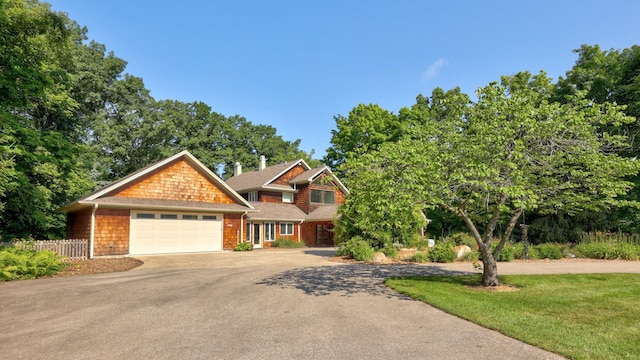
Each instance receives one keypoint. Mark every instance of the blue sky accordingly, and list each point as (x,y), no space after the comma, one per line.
(295,64)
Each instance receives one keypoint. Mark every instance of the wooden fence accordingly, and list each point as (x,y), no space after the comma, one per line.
(69,249)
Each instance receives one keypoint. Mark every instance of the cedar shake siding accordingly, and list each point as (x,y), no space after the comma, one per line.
(292,173)
(232,231)
(111,234)
(302,199)
(272,197)
(79,224)
(176,181)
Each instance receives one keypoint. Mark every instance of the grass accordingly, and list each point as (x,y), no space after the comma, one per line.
(580,316)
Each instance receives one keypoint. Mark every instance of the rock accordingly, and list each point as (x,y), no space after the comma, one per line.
(461,250)
(379,257)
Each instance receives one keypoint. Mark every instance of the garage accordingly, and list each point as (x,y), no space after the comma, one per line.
(171,232)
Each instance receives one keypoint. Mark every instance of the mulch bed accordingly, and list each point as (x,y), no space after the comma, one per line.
(96,266)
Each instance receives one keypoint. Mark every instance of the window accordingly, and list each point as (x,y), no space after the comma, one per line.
(286,228)
(252,196)
(145,216)
(269,231)
(287,197)
(209,217)
(169,216)
(248,232)
(316,196)
(329,197)
(323,197)
(189,217)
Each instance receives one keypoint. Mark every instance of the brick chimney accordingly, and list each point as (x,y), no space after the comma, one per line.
(237,169)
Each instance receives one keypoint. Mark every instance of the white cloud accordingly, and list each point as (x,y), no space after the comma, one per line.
(434,69)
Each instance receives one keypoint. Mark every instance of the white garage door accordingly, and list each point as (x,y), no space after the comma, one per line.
(165,233)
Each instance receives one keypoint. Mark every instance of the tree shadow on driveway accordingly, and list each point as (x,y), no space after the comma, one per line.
(351,279)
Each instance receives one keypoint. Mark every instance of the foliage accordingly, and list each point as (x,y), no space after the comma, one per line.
(543,308)
(357,249)
(473,255)
(243,246)
(462,238)
(390,251)
(549,251)
(442,253)
(606,76)
(610,237)
(421,257)
(288,243)
(488,161)
(608,251)
(518,252)
(362,131)
(507,254)
(18,263)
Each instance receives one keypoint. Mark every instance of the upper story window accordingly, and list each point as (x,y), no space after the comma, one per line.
(287,197)
(252,196)
(323,196)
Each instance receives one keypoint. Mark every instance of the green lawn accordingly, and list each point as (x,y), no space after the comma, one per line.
(580,316)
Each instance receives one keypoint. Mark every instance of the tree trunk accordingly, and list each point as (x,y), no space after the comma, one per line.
(489,271)
(489,266)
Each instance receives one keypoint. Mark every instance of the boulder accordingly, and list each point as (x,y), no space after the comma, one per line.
(461,250)
(379,257)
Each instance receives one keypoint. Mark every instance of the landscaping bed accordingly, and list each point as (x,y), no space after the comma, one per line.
(96,266)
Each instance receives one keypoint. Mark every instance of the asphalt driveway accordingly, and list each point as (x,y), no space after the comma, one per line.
(270,304)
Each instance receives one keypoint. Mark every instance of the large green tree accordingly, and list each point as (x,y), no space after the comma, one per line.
(512,150)
(363,130)
(42,166)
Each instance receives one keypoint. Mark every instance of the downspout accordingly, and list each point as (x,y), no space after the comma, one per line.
(241,239)
(93,230)
(300,229)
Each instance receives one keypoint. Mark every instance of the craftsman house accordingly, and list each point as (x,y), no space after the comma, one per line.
(293,201)
(178,205)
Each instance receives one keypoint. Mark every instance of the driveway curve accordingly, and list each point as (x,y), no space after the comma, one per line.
(269,304)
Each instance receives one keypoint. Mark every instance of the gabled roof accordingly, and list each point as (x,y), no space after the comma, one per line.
(262,179)
(101,195)
(310,175)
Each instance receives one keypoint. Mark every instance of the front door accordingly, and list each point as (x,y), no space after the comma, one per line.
(257,236)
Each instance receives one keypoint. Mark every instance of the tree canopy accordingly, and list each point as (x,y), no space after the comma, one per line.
(513,149)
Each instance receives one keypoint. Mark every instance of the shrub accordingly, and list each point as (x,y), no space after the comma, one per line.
(357,249)
(17,263)
(288,243)
(608,251)
(549,251)
(390,251)
(507,254)
(518,251)
(463,238)
(474,255)
(442,253)
(243,246)
(420,257)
